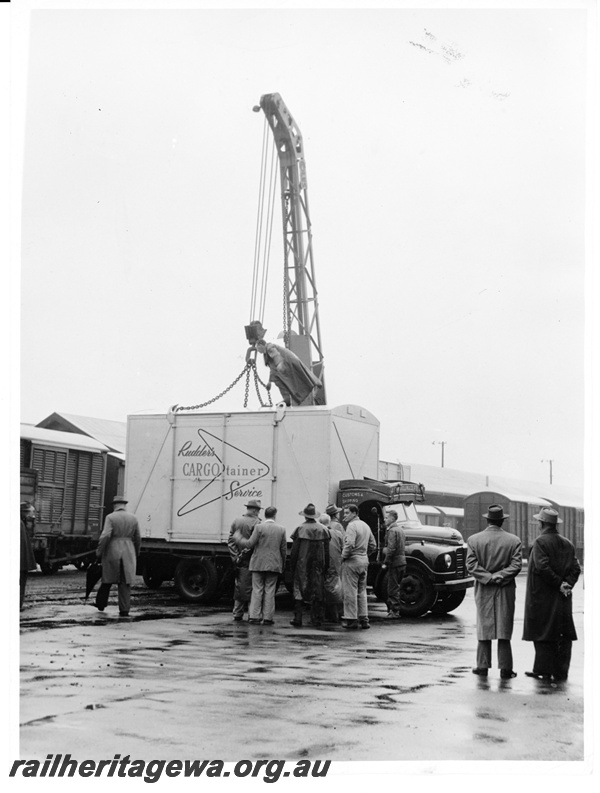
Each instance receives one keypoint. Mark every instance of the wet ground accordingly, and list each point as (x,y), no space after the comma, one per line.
(183,681)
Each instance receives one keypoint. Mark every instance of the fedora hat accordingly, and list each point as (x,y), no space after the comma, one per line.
(309,511)
(120,500)
(548,515)
(331,509)
(254,503)
(495,512)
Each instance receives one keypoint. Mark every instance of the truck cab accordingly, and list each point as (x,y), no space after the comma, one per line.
(436,577)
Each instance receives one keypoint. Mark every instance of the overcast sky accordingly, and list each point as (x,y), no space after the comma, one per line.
(446,167)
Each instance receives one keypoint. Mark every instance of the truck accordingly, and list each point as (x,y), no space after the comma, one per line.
(189,475)
(190,472)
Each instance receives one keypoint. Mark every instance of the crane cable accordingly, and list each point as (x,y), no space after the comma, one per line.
(264,226)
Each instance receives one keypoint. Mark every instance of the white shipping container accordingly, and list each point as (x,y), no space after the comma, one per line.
(189,475)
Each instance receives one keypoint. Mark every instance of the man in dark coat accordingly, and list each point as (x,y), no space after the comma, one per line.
(552,572)
(309,561)
(494,559)
(27,557)
(241,529)
(119,548)
(394,561)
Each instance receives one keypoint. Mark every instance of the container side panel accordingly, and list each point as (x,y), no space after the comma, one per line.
(302,466)
(148,473)
(220,462)
(354,449)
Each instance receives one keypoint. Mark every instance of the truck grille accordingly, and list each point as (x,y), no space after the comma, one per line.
(460,563)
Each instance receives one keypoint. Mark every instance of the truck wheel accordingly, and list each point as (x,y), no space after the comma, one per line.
(196,580)
(417,594)
(448,602)
(152,579)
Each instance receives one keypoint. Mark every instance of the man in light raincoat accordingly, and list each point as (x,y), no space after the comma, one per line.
(119,548)
(494,559)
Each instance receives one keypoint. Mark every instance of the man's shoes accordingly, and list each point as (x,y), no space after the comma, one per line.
(123,613)
(481,672)
(100,608)
(351,625)
(254,622)
(507,674)
(392,615)
(238,619)
(364,624)
(538,677)
(268,622)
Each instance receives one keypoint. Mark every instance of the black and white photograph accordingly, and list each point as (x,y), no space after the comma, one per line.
(299,333)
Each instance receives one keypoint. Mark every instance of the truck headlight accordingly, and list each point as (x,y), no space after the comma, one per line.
(448,560)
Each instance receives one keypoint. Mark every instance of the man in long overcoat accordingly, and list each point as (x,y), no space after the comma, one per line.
(494,559)
(552,572)
(309,560)
(118,549)
(268,543)
(241,529)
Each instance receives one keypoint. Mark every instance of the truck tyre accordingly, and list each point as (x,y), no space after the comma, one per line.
(417,595)
(152,579)
(196,580)
(447,602)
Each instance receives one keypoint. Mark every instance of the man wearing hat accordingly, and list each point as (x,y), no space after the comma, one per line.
(309,560)
(494,559)
(118,549)
(333,576)
(552,572)
(241,529)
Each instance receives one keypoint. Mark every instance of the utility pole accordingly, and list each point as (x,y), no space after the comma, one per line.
(549,461)
(442,444)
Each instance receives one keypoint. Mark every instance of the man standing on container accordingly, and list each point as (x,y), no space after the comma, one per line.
(241,529)
(394,562)
(358,544)
(118,549)
(552,572)
(309,560)
(494,559)
(268,544)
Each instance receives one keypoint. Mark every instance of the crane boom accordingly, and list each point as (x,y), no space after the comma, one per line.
(303,333)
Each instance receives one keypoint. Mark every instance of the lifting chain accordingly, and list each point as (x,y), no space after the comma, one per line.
(250,366)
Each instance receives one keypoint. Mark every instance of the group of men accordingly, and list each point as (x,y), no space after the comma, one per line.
(328,565)
(329,573)
(494,559)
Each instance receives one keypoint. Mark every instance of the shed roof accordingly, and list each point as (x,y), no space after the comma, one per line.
(111,433)
(70,440)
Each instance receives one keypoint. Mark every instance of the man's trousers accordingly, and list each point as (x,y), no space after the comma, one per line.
(484,654)
(262,601)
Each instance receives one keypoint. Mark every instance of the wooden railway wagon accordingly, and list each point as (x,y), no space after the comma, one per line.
(519,506)
(63,475)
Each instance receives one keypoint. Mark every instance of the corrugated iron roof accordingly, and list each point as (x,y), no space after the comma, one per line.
(71,440)
(111,433)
